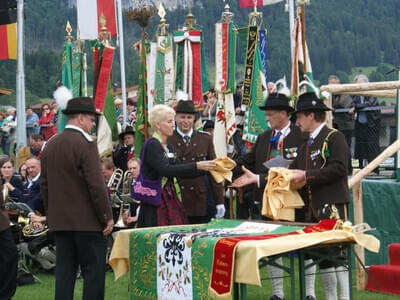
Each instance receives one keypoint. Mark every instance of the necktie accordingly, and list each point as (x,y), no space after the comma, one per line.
(275,139)
(186,139)
(310,141)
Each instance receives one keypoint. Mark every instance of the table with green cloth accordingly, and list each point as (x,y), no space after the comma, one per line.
(136,251)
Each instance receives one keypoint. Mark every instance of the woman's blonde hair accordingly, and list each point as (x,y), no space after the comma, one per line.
(158,114)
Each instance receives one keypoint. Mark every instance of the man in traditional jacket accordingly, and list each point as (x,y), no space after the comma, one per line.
(201,196)
(284,140)
(322,163)
(75,197)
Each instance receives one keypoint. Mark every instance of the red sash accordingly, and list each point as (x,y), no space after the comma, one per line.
(224,254)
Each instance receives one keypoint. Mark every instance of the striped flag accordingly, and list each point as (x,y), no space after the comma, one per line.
(225,69)
(250,3)
(151,56)
(191,76)
(103,77)
(8,41)
(299,54)
(91,14)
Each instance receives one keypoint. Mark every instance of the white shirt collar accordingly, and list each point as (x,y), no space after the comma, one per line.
(284,131)
(87,136)
(31,181)
(317,130)
(44,144)
(183,134)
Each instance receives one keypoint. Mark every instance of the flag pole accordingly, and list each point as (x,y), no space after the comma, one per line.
(291,27)
(302,4)
(21,118)
(122,62)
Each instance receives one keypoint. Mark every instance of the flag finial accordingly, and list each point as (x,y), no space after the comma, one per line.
(68,29)
(163,26)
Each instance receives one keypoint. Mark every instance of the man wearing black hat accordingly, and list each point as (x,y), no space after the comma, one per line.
(201,196)
(123,154)
(75,198)
(322,163)
(283,139)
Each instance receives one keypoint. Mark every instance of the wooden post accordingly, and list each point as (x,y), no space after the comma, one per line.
(359,218)
(360,87)
(329,115)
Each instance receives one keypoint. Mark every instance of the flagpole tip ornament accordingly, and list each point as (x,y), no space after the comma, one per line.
(104,35)
(68,30)
(142,14)
(227,15)
(302,2)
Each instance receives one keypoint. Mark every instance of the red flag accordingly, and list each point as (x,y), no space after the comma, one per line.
(106,8)
(250,3)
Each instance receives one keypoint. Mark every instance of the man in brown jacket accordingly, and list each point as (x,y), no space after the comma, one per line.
(201,196)
(75,197)
(8,254)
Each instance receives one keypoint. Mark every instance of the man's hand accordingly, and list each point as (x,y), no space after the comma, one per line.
(109,227)
(247,178)
(298,176)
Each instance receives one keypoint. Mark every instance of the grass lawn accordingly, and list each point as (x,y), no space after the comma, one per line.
(118,290)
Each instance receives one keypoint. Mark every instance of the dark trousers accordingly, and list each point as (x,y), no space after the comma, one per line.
(8,265)
(86,249)
(307,215)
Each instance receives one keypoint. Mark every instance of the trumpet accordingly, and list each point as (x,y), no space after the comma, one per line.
(127,183)
(115,180)
(5,193)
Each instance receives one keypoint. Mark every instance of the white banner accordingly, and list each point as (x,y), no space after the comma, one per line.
(87,19)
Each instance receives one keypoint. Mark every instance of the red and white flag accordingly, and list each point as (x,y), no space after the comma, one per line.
(250,3)
(90,14)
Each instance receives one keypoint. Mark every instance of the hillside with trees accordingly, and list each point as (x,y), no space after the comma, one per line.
(343,36)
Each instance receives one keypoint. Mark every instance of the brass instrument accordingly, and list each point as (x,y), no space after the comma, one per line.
(28,230)
(127,183)
(5,193)
(118,177)
(115,180)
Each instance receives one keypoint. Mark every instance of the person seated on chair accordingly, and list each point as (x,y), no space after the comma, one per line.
(40,248)
(31,193)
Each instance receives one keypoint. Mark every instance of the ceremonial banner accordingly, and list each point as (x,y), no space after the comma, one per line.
(254,118)
(225,123)
(225,57)
(89,15)
(104,73)
(190,65)
(250,61)
(165,75)
(8,41)
(250,3)
(174,267)
(263,52)
(107,131)
(151,54)
(299,54)
(141,107)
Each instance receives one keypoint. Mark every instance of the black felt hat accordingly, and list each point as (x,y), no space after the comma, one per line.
(128,130)
(80,105)
(310,102)
(276,101)
(185,107)
(208,124)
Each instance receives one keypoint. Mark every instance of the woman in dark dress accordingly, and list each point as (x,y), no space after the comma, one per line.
(10,179)
(157,162)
